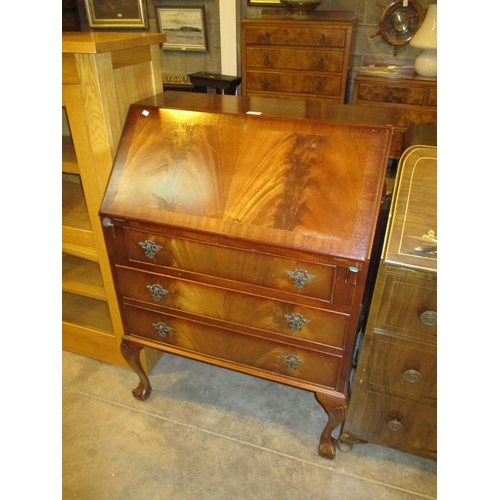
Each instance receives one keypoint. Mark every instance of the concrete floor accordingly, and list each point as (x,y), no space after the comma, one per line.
(209,433)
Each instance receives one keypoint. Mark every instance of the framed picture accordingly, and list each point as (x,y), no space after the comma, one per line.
(185,28)
(116,13)
(256,3)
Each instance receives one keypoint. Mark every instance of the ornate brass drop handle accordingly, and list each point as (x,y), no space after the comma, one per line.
(429,318)
(266,60)
(162,329)
(157,291)
(296,321)
(412,376)
(265,83)
(320,64)
(322,39)
(150,248)
(319,86)
(300,276)
(266,38)
(292,361)
(395,425)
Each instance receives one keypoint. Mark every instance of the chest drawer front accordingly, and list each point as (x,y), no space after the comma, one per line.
(396,422)
(292,58)
(299,36)
(287,319)
(432,98)
(392,94)
(317,281)
(290,361)
(408,306)
(314,84)
(405,368)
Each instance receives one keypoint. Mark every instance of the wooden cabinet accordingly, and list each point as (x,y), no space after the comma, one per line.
(414,99)
(296,59)
(102,73)
(394,397)
(240,231)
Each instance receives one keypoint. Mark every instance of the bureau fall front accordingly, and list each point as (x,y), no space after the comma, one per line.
(239,232)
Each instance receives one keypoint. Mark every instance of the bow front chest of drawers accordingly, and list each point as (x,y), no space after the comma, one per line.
(239,233)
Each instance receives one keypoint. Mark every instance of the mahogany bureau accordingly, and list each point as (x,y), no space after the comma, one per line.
(394,397)
(239,232)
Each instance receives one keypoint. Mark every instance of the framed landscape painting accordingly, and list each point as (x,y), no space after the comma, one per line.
(185,28)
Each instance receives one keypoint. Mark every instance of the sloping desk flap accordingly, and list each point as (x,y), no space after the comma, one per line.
(295,175)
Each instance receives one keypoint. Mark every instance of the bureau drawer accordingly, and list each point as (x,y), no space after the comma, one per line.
(287,319)
(317,281)
(393,94)
(408,305)
(303,83)
(396,423)
(290,361)
(300,36)
(404,367)
(297,59)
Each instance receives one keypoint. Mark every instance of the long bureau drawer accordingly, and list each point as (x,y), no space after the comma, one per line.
(291,320)
(327,283)
(303,364)
(303,83)
(300,36)
(294,58)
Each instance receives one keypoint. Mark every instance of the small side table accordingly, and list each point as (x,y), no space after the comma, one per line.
(223,84)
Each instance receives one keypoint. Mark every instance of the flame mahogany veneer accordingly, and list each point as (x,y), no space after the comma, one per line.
(239,231)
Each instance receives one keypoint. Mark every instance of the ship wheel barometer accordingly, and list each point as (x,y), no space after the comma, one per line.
(399,22)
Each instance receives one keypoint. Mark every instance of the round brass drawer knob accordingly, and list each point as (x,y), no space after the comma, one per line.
(412,376)
(395,425)
(429,318)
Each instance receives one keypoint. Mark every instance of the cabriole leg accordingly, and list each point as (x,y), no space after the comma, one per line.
(131,351)
(336,409)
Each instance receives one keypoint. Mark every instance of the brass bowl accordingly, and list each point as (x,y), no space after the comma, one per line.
(300,9)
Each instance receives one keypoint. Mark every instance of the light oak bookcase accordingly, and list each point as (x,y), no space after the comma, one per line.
(102,74)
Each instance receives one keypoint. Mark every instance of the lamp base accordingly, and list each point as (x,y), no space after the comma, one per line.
(426,63)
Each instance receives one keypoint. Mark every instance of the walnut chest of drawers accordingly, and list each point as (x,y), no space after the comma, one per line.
(413,98)
(291,59)
(394,397)
(240,233)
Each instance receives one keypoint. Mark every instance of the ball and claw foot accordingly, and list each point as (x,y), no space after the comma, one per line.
(141,393)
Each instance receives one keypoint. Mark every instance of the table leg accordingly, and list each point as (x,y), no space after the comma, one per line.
(336,409)
(131,351)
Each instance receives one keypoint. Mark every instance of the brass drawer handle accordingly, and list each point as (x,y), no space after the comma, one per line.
(157,291)
(162,329)
(395,425)
(265,38)
(265,83)
(300,276)
(319,86)
(322,39)
(412,376)
(292,361)
(429,318)
(320,64)
(150,248)
(296,321)
(266,60)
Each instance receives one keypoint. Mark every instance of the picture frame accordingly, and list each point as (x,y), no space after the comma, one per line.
(258,3)
(117,13)
(184,27)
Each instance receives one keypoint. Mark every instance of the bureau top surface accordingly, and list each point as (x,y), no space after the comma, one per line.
(301,176)
(97,42)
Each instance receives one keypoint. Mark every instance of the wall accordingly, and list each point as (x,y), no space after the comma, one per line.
(227,61)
